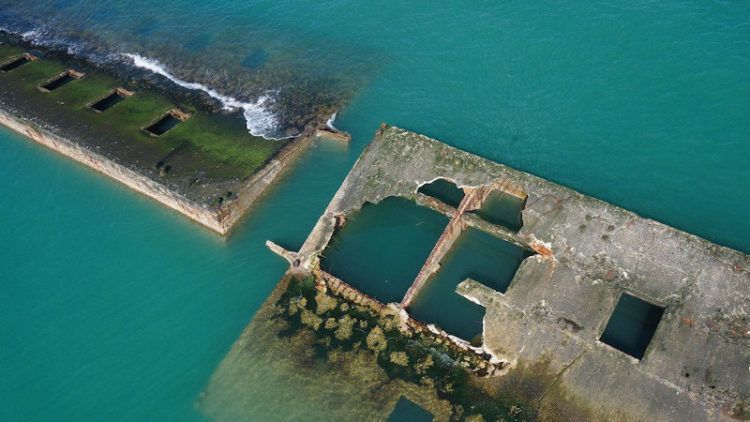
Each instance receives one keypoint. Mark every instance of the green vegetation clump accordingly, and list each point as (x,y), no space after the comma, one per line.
(418,358)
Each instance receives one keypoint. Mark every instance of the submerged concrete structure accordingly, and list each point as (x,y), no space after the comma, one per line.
(163,143)
(627,317)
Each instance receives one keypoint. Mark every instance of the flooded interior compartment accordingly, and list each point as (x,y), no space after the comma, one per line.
(113,98)
(16,63)
(382,247)
(444,191)
(632,325)
(503,209)
(168,121)
(61,80)
(475,255)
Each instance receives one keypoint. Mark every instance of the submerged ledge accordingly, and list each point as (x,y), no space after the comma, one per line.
(220,219)
(201,163)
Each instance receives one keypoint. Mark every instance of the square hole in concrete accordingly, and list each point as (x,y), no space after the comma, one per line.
(166,122)
(60,80)
(476,255)
(444,191)
(503,209)
(112,99)
(382,247)
(16,63)
(632,325)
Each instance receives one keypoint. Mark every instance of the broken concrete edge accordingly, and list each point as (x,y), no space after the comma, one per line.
(563,297)
(220,220)
(327,282)
(331,284)
(326,132)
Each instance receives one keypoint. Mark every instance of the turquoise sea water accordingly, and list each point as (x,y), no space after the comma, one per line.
(114,308)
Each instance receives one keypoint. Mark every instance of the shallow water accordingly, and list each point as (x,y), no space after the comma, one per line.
(116,308)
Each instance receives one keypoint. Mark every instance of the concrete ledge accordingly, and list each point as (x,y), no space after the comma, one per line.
(220,220)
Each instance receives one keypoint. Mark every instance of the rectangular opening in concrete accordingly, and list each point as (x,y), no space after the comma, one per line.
(444,191)
(112,99)
(503,209)
(408,411)
(382,247)
(168,121)
(476,255)
(16,63)
(60,80)
(632,325)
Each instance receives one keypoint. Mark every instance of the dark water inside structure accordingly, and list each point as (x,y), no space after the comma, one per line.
(502,209)
(632,325)
(59,82)
(14,64)
(475,255)
(167,122)
(444,191)
(108,102)
(381,248)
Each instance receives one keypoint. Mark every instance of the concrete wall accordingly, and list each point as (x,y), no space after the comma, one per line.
(219,219)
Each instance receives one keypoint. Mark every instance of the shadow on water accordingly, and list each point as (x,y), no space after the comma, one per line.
(382,247)
(444,191)
(502,209)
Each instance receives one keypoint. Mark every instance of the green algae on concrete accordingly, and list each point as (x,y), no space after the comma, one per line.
(209,158)
(351,362)
(222,140)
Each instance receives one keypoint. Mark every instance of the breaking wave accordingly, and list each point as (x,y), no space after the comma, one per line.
(260,121)
(44,38)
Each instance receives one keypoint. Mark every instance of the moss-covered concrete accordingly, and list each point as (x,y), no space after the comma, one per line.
(210,158)
(208,155)
(353,362)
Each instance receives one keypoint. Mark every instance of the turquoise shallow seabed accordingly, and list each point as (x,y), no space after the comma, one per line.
(115,308)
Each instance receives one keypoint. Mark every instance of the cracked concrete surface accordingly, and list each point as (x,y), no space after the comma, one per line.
(588,252)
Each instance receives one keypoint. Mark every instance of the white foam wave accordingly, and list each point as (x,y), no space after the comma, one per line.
(260,121)
(329,122)
(41,36)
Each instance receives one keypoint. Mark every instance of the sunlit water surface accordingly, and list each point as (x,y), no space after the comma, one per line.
(115,308)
